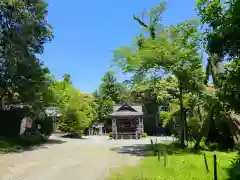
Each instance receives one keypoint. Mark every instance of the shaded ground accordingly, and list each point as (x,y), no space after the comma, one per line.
(135,150)
(75,159)
(12,146)
(142,147)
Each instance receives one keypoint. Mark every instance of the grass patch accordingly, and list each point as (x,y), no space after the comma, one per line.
(9,145)
(181,164)
(17,144)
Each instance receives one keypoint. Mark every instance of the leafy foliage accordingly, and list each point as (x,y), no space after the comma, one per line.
(144,134)
(77,108)
(110,92)
(24,30)
(223,32)
(167,69)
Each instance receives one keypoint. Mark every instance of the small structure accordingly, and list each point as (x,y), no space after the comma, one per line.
(96,129)
(54,114)
(127,121)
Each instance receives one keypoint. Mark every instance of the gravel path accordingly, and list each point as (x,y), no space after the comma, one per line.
(70,159)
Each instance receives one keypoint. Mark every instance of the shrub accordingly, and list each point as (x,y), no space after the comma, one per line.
(81,132)
(154,147)
(31,139)
(144,134)
(110,134)
(44,125)
(72,121)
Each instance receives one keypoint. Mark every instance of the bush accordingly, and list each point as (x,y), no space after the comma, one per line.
(81,132)
(31,139)
(72,121)
(144,134)
(110,134)
(46,127)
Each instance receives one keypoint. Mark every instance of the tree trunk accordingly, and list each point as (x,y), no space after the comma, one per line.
(1,99)
(182,135)
(200,113)
(214,67)
(204,129)
(185,127)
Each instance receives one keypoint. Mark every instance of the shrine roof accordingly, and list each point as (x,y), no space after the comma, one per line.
(126,110)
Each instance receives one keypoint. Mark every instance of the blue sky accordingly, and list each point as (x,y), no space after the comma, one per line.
(87,32)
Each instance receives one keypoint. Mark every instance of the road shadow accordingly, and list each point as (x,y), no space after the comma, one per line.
(15,146)
(134,150)
(77,136)
(171,148)
(43,145)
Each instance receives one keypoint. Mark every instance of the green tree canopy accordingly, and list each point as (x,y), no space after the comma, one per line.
(24,30)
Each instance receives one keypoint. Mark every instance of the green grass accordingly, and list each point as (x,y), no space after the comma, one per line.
(181,164)
(18,144)
(9,145)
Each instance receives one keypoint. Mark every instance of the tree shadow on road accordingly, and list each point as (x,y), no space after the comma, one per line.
(173,148)
(74,136)
(134,150)
(14,146)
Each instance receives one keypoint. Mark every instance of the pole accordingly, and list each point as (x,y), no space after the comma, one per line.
(205,161)
(158,154)
(165,158)
(215,166)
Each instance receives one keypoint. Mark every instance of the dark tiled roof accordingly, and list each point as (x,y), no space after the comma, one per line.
(126,113)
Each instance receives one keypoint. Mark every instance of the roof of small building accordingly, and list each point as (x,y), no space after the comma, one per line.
(126,110)
(52,111)
(126,113)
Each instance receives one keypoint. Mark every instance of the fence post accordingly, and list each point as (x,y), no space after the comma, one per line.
(205,161)
(215,166)
(165,158)
(158,153)
(155,147)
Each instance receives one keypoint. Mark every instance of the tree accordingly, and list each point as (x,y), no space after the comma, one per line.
(24,30)
(221,39)
(154,16)
(223,23)
(110,89)
(77,108)
(110,92)
(175,51)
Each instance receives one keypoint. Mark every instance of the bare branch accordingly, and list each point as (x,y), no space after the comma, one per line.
(139,21)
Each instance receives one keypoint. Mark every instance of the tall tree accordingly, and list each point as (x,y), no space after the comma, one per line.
(110,92)
(77,108)
(222,33)
(154,16)
(24,30)
(222,43)
(109,89)
(175,51)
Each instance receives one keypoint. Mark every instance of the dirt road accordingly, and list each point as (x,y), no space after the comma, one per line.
(75,159)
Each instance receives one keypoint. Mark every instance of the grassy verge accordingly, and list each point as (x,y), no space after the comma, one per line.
(17,144)
(9,145)
(181,164)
